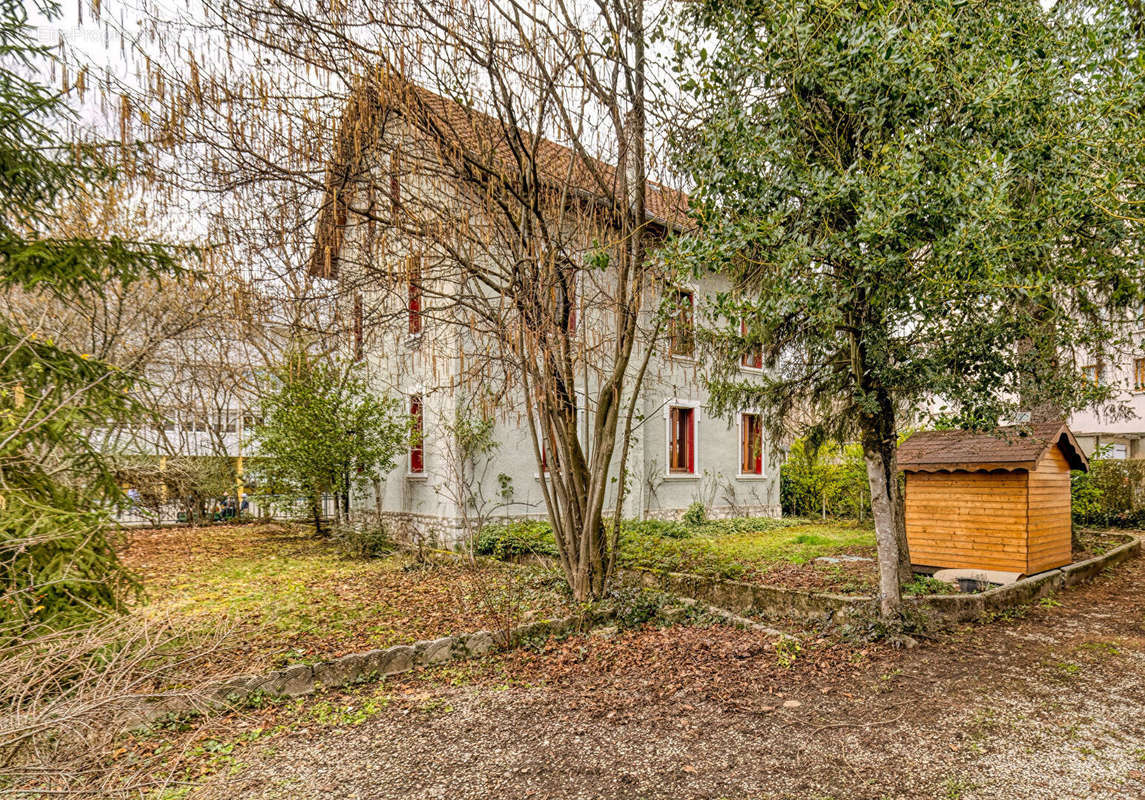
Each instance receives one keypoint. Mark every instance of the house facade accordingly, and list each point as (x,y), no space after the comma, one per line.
(425,334)
(1120,435)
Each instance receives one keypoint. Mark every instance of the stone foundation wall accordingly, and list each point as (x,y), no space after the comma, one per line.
(448,532)
(432,531)
(717,512)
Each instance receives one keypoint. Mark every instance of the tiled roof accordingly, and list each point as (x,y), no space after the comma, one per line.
(472,134)
(1013,447)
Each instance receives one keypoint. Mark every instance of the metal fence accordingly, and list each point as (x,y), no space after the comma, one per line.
(275,507)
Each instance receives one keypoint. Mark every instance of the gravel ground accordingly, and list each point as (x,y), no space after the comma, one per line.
(1049,705)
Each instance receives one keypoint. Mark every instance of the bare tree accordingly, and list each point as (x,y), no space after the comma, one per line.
(491,159)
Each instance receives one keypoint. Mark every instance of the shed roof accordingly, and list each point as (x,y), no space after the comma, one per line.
(1013,447)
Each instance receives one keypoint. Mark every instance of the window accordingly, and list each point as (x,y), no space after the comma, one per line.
(681,440)
(1139,374)
(544,451)
(753,358)
(572,304)
(1092,373)
(357,327)
(395,184)
(414,303)
(681,326)
(1118,452)
(750,444)
(417,444)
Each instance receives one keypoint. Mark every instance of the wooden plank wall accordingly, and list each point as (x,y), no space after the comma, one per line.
(967,519)
(1049,513)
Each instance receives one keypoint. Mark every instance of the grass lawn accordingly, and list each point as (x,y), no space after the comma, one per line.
(762,550)
(291,597)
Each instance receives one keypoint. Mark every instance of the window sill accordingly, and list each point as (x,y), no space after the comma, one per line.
(753,370)
(751,476)
(682,359)
(681,476)
(416,476)
(413,340)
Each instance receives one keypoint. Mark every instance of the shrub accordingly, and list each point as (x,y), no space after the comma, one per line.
(370,541)
(527,537)
(696,514)
(663,529)
(636,607)
(926,584)
(1111,494)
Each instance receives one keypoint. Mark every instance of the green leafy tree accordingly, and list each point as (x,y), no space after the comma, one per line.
(57,563)
(917,203)
(323,431)
(824,480)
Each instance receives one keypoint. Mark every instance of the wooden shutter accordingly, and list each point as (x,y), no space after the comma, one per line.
(753,359)
(414,304)
(417,445)
(690,437)
(751,446)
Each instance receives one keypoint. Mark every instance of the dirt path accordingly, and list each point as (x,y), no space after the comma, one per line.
(1051,705)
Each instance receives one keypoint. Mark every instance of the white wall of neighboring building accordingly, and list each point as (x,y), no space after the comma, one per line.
(1119,434)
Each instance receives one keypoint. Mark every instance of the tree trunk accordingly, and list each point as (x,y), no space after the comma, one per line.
(886,537)
(898,498)
(314,508)
(346,497)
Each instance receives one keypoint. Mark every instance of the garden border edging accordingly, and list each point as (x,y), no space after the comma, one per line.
(296,680)
(773,602)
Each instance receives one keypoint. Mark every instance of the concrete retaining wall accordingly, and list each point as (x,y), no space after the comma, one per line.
(970,607)
(743,598)
(777,603)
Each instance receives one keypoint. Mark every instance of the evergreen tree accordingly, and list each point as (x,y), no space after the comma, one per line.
(57,562)
(918,203)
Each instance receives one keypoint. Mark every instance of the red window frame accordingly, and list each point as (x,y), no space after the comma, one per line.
(683,325)
(682,440)
(752,359)
(751,444)
(414,304)
(417,443)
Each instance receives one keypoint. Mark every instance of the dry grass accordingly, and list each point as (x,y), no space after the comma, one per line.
(291,597)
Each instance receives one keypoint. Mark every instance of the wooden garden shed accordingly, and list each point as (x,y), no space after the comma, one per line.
(990,501)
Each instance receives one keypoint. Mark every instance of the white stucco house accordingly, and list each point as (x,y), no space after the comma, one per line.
(1120,435)
(407,311)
